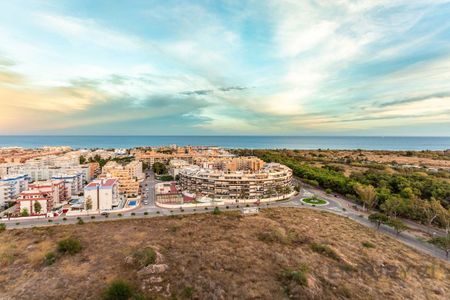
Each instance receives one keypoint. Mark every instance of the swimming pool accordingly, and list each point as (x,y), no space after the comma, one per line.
(132,203)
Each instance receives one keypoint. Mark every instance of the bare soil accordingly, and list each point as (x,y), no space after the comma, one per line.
(225,256)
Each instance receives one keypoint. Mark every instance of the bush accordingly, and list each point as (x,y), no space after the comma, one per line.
(145,213)
(133,214)
(92,217)
(80,221)
(119,215)
(145,257)
(49,258)
(70,245)
(367,245)
(206,208)
(324,250)
(49,220)
(118,290)
(64,219)
(227,207)
(157,212)
(299,276)
(187,293)
(216,211)
(328,191)
(2,227)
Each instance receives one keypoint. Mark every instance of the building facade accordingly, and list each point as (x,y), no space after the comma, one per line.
(272,180)
(102,194)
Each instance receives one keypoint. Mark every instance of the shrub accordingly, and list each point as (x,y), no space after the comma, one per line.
(49,258)
(49,220)
(80,221)
(227,207)
(187,293)
(324,250)
(157,212)
(18,223)
(70,245)
(145,257)
(248,205)
(118,290)
(182,210)
(119,215)
(2,227)
(368,245)
(92,217)
(299,276)
(145,213)
(328,191)
(133,214)
(216,211)
(64,219)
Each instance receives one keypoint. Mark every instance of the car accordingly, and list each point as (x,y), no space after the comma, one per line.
(105,213)
(146,202)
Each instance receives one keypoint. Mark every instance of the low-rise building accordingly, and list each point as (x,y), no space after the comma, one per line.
(175,165)
(101,194)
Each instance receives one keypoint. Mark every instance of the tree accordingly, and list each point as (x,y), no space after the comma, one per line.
(88,203)
(431,210)
(159,168)
(82,159)
(392,205)
(24,213)
(37,207)
(442,242)
(378,219)
(367,194)
(397,224)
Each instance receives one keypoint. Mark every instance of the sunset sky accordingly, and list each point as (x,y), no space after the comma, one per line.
(337,67)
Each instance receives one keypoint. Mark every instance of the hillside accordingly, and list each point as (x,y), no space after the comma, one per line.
(280,253)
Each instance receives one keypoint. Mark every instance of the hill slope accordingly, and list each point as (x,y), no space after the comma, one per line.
(277,254)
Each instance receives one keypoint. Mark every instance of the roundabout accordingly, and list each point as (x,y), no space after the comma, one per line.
(314,201)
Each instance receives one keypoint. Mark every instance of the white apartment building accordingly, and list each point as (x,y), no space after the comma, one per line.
(175,165)
(103,194)
(73,183)
(12,186)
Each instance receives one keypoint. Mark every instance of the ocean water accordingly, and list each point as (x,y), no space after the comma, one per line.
(251,142)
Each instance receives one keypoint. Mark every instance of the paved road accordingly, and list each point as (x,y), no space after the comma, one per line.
(336,205)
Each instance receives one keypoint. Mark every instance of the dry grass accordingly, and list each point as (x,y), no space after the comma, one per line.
(223,257)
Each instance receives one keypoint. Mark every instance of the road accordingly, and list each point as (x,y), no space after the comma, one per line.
(336,205)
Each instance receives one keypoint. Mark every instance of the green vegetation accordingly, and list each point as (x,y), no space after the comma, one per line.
(216,211)
(145,257)
(80,221)
(314,201)
(405,193)
(37,207)
(70,246)
(49,258)
(118,290)
(2,227)
(324,250)
(379,218)
(165,178)
(24,213)
(298,276)
(367,245)
(442,242)
(159,168)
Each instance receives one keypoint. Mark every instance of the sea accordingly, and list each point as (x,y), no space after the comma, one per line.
(232,142)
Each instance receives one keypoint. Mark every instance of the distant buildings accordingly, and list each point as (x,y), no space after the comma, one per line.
(101,194)
(188,153)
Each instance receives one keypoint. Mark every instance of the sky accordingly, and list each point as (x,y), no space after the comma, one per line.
(337,67)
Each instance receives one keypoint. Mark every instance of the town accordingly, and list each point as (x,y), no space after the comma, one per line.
(58,182)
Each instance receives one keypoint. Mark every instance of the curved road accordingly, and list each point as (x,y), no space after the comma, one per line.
(336,205)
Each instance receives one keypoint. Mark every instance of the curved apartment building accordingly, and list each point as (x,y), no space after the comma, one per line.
(271,181)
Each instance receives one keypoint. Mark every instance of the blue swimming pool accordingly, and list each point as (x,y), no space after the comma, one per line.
(132,203)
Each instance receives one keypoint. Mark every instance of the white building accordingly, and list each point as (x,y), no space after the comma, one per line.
(175,165)
(12,186)
(103,194)
(73,183)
